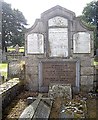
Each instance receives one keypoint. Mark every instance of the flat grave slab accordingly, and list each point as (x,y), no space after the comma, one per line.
(40,108)
(28,113)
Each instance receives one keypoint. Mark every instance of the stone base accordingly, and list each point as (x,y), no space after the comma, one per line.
(60,90)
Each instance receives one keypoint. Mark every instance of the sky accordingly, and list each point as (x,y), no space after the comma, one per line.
(32,9)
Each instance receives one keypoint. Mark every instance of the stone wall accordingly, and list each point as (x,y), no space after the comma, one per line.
(86,73)
(76,29)
(9,91)
(32,72)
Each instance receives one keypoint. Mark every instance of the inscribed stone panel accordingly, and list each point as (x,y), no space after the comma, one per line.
(59,72)
(35,43)
(58,41)
(81,42)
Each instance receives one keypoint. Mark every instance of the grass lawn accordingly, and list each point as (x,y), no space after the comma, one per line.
(4,70)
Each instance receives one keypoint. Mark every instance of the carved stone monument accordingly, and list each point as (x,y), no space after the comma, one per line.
(59,49)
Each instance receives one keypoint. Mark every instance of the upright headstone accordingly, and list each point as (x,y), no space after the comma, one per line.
(17,48)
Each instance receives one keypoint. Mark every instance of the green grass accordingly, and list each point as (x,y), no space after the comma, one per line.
(10,49)
(21,49)
(4,69)
(95,63)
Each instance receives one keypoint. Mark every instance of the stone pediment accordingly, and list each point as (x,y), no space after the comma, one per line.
(58,11)
(40,25)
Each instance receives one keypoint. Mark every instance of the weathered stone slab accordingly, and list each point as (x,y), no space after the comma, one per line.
(60,90)
(40,108)
(58,39)
(35,43)
(28,113)
(43,109)
(78,40)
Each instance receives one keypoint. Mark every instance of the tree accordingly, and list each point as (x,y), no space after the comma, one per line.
(90,16)
(13,26)
(89,13)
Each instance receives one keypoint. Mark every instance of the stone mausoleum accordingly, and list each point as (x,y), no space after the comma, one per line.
(59,48)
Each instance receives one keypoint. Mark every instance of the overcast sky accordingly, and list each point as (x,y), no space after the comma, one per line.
(32,9)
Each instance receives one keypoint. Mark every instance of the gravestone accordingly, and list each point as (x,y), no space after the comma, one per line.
(55,51)
(17,48)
